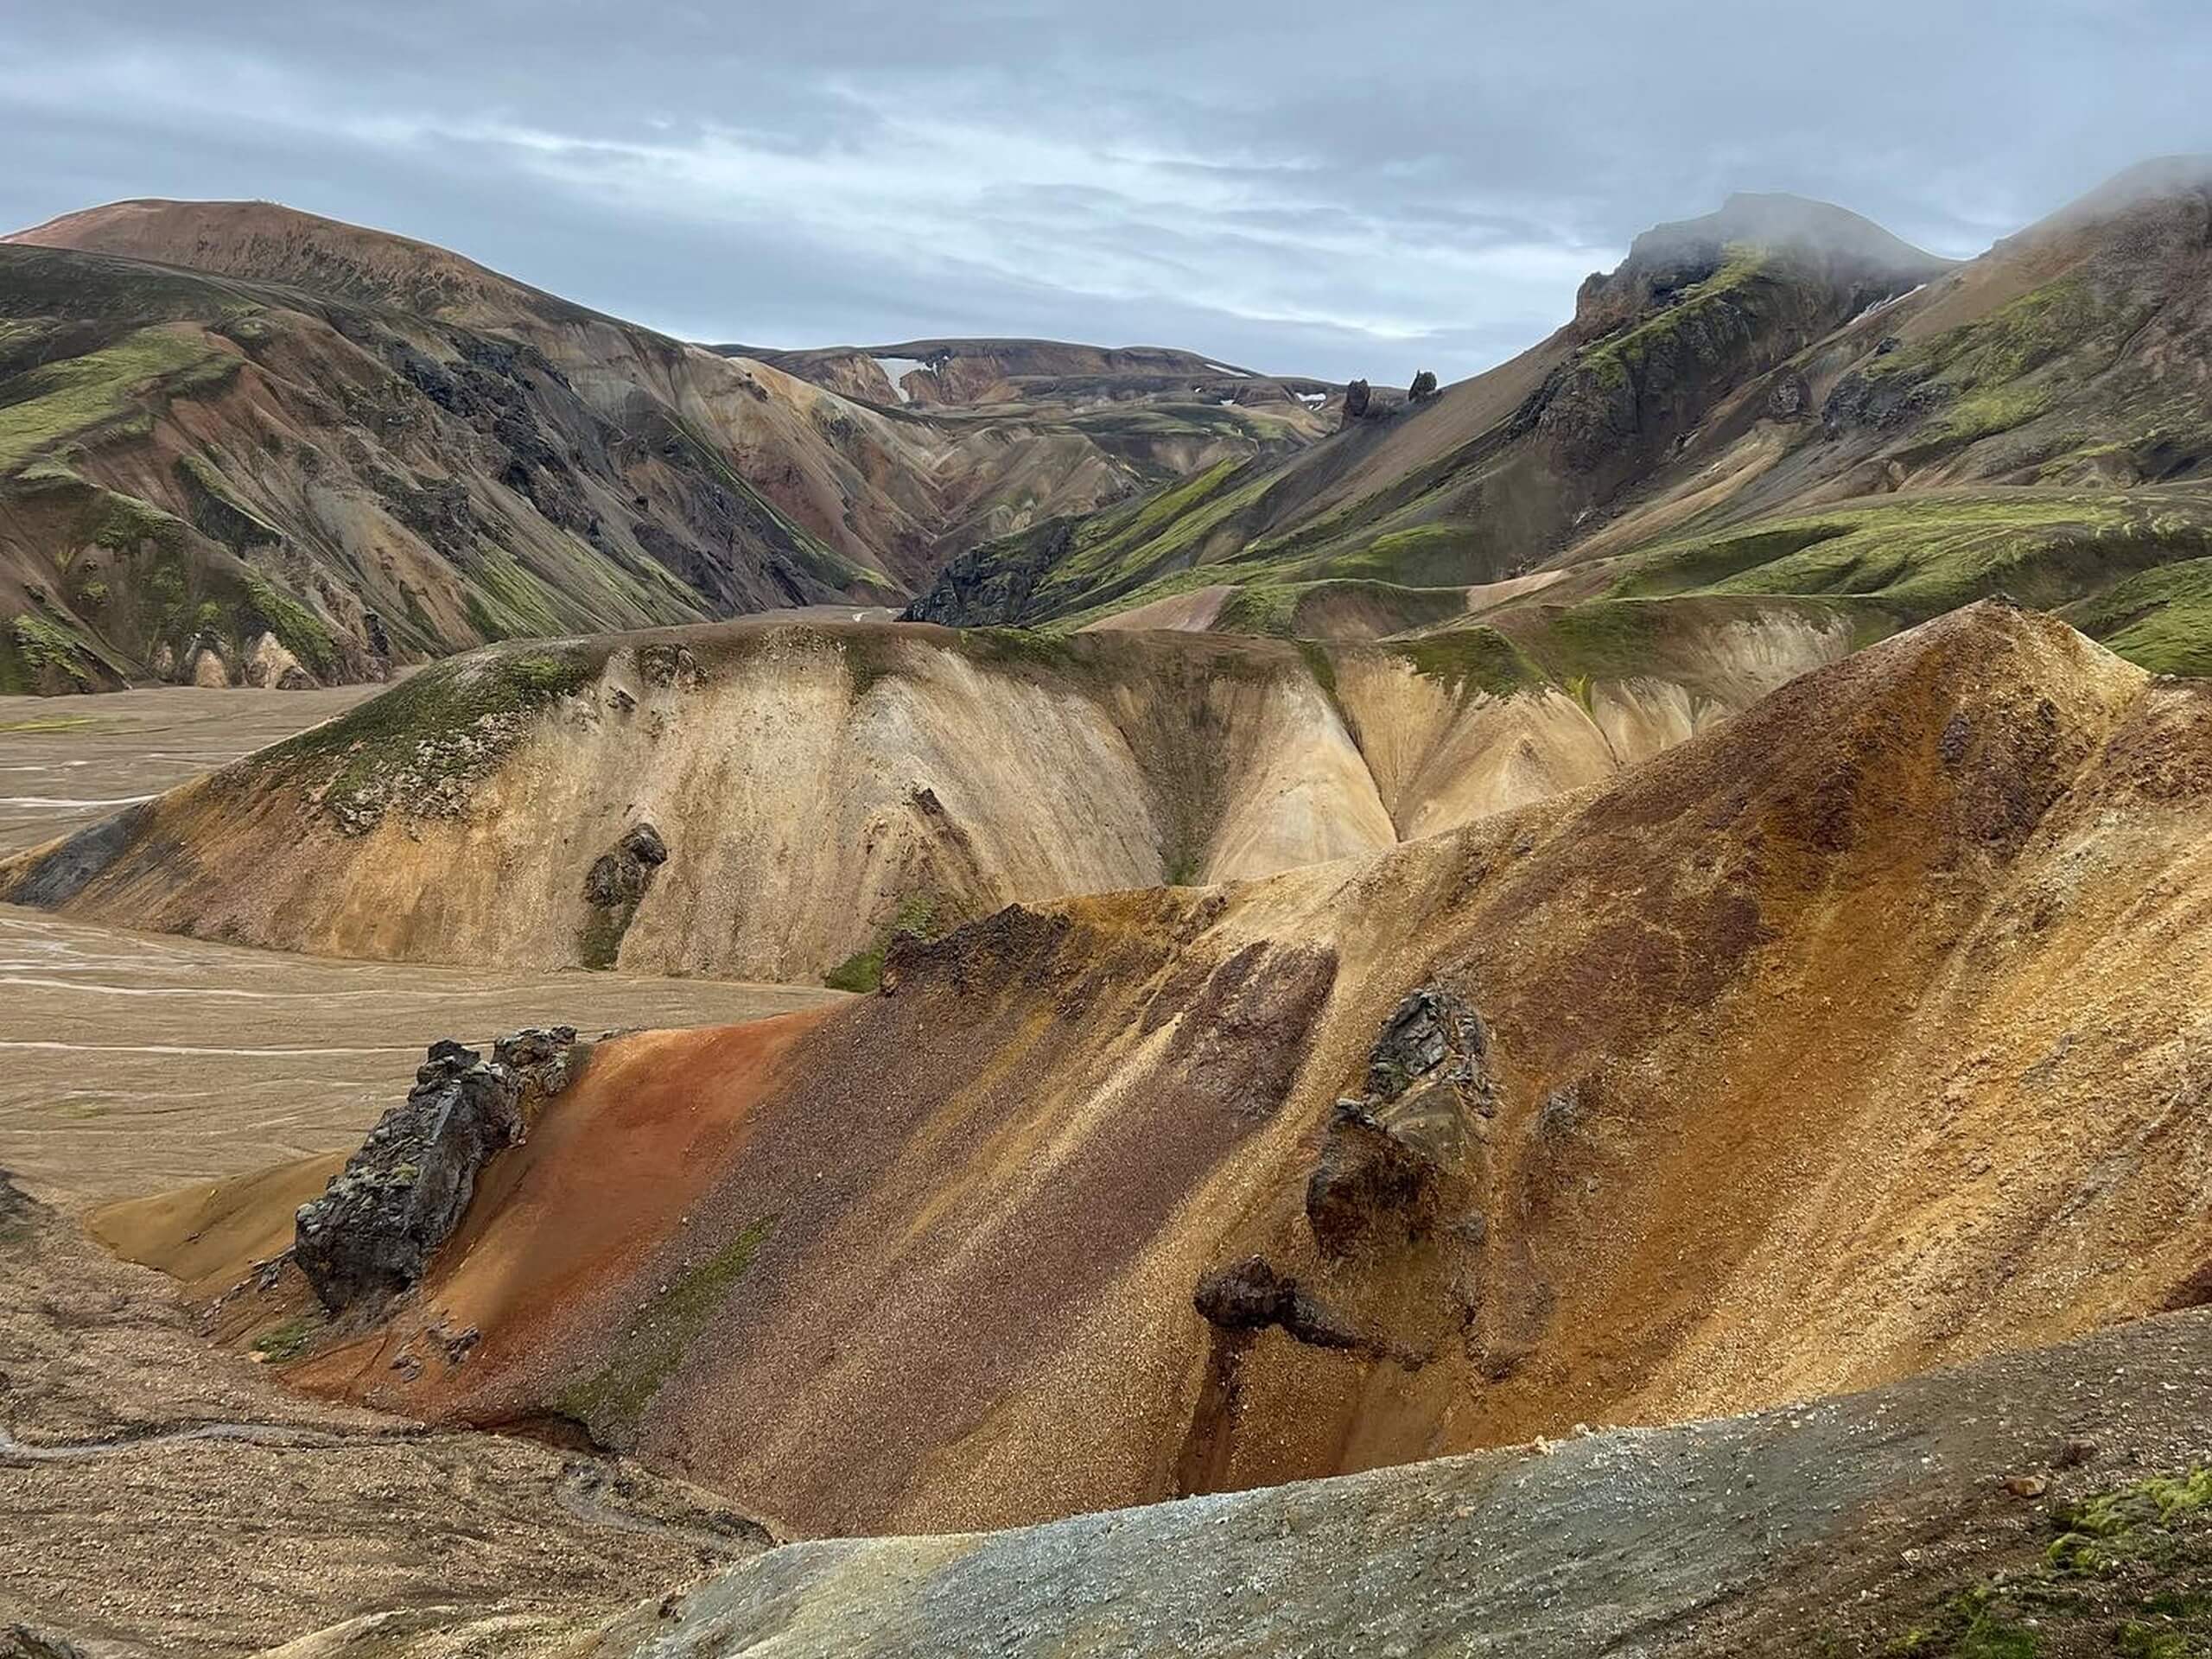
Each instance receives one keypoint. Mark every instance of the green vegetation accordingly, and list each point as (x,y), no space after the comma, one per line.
(2014,341)
(1985,414)
(298,629)
(1427,555)
(2128,567)
(916,917)
(599,940)
(1269,608)
(1017,648)
(2160,619)
(617,1395)
(2129,1572)
(1472,660)
(282,1342)
(1718,301)
(121,523)
(217,511)
(37,654)
(432,732)
(1322,667)
(44,723)
(110,390)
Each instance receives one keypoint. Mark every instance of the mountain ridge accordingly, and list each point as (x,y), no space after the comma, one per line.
(2059,364)
(389,460)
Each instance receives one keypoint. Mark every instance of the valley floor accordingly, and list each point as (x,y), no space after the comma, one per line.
(68,762)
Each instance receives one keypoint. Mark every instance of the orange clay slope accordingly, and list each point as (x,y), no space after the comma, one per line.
(1862,1033)
(816,786)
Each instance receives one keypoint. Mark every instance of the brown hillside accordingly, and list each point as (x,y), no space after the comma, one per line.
(1854,1036)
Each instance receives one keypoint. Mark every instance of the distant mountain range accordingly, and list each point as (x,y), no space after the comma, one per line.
(1779,402)
(240,442)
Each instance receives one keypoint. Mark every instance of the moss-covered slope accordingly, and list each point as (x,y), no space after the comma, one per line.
(1776,401)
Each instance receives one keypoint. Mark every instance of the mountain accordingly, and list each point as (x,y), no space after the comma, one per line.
(1837,1043)
(971,770)
(239,441)
(1779,398)
(972,373)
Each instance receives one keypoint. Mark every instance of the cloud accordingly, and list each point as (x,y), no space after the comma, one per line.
(1319,187)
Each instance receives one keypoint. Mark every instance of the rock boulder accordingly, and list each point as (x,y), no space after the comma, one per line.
(373,1233)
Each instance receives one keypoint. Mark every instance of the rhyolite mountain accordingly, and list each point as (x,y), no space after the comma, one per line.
(240,442)
(1777,399)
(989,374)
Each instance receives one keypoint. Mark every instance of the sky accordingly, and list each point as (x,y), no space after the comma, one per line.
(1338,189)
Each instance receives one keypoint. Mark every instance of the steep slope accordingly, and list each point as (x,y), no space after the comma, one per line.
(1880,1523)
(810,496)
(216,480)
(1484,478)
(2030,421)
(1857,1035)
(817,787)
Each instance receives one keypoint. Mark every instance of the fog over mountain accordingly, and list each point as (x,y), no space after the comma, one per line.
(1312,188)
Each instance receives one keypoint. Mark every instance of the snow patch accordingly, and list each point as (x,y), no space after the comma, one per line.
(1883,305)
(1224,368)
(897,368)
(1312,399)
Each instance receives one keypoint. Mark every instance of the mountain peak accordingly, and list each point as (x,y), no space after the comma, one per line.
(1785,223)
(2160,183)
(1820,235)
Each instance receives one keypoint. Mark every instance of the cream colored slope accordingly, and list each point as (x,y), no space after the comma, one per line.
(812,782)
(1307,796)
(1441,760)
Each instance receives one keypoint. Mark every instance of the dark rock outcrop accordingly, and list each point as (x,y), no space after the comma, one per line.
(614,886)
(22,1642)
(1393,1168)
(1423,388)
(61,875)
(19,1211)
(991,585)
(620,876)
(1250,1295)
(373,1233)
(1359,399)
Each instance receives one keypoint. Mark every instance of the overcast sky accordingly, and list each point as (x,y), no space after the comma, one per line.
(1333,188)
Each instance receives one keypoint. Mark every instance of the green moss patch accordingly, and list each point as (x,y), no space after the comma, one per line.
(2114,563)
(297,628)
(1733,288)
(2160,619)
(615,1397)
(916,917)
(38,654)
(1473,659)
(2128,1572)
(422,745)
(114,388)
(281,1343)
